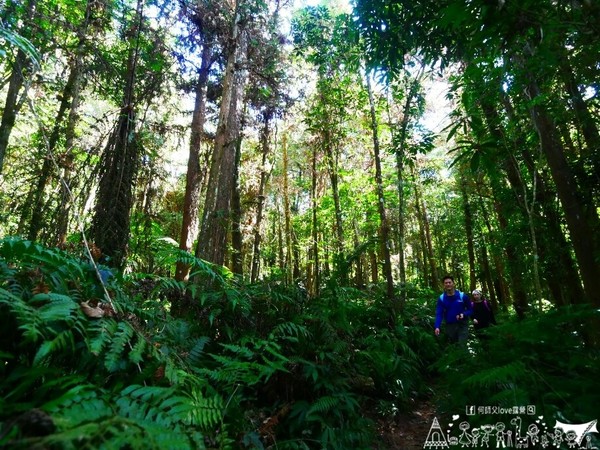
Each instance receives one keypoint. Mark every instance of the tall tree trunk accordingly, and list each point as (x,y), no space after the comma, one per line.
(332,169)
(499,279)
(384,226)
(47,170)
(296,256)
(66,198)
(331,159)
(280,244)
(429,257)
(316,278)
(400,156)
(359,280)
(554,249)
(70,101)
(9,114)
(401,227)
(110,225)
(468,231)
(582,220)
(264,174)
(519,188)
(286,213)
(430,253)
(422,248)
(237,258)
(520,295)
(20,69)
(216,223)
(373,263)
(488,283)
(584,121)
(326,258)
(191,202)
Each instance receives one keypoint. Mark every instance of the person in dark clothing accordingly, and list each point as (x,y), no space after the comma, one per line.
(483,316)
(454,307)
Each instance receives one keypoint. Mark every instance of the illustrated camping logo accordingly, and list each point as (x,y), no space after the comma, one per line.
(512,434)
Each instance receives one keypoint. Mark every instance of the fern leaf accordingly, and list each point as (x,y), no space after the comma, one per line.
(238,350)
(62,342)
(290,331)
(56,307)
(195,353)
(115,359)
(101,332)
(136,354)
(146,393)
(498,375)
(323,404)
(173,373)
(207,412)
(80,404)
(25,314)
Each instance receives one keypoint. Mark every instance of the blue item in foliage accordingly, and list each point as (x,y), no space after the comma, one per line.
(105,274)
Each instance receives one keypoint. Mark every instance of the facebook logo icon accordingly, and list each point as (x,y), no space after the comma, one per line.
(470,410)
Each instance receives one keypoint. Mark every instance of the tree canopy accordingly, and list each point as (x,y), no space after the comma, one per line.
(225,224)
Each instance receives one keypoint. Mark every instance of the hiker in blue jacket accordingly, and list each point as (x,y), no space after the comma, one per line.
(455,308)
(483,316)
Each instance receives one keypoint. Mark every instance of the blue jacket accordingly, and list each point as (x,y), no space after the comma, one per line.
(449,306)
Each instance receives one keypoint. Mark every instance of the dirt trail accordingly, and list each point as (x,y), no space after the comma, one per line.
(407,431)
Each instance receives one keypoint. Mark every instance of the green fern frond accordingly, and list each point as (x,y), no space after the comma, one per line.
(63,342)
(169,284)
(321,405)
(54,387)
(12,287)
(232,371)
(196,352)
(145,417)
(206,412)
(18,386)
(136,355)
(293,444)
(25,314)
(6,271)
(13,248)
(289,331)
(115,359)
(497,375)
(510,395)
(81,404)
(175,374)
(244,352)
(145,393)
(339,347)
(55,308)
(115,433)
(171,437)
(199,267)
(100,334)
(164,407)
(177,331)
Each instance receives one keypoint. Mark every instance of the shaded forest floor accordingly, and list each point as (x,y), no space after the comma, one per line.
(407,431)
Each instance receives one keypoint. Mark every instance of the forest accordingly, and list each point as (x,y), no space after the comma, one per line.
(226,224)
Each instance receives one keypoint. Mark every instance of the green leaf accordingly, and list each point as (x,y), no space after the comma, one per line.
(21,43)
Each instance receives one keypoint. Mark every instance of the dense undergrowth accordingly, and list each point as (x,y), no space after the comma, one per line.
(547,366)
(246,366)
(249,366)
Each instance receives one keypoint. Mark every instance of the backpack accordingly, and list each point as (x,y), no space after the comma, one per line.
(461,295)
